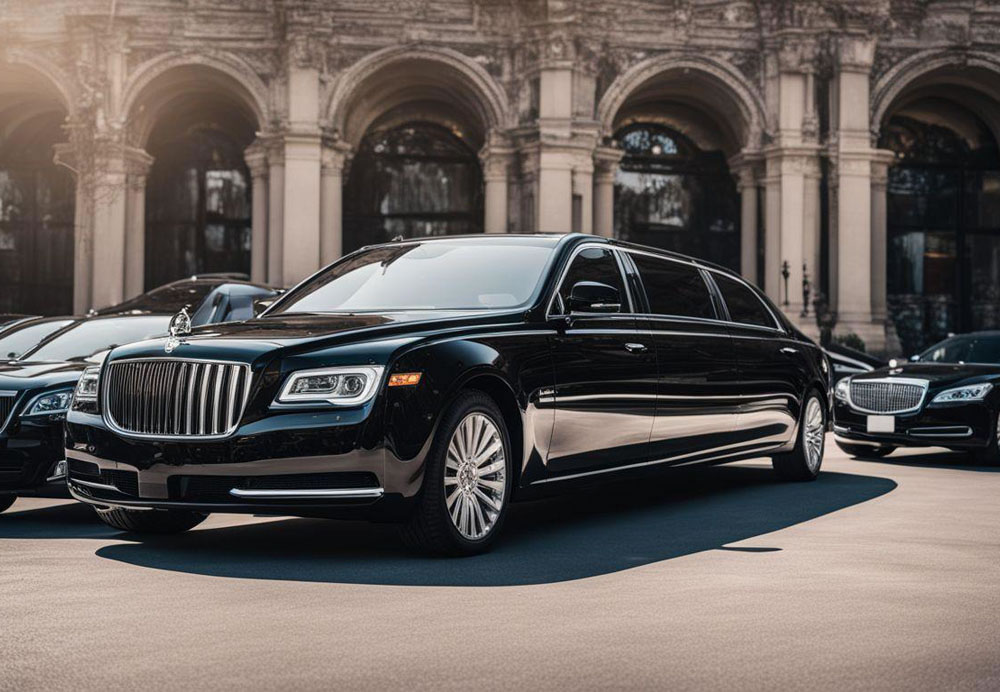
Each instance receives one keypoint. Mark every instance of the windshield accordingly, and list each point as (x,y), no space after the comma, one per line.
(19,339)
(86,338)
(440,275)
(964,349)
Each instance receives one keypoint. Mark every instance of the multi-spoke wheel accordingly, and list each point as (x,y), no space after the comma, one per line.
(804,461)
(467,480)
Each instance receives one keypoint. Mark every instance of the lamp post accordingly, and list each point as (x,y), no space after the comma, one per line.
(785,273)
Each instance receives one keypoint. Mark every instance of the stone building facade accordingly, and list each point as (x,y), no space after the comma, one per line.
(839,148)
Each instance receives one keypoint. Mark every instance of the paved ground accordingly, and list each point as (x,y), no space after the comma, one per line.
(880,575)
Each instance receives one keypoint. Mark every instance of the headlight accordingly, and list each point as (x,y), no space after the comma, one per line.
(46,404)
(972,392)
(842,390)
(85,394)
(342,386)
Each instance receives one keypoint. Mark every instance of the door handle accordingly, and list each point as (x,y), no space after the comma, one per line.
(788,350)
(635,348)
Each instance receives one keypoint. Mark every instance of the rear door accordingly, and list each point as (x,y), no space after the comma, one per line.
(605,395)
(698,388)
(771,365)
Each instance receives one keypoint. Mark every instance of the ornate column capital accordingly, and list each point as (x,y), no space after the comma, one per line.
(255,156)
(855,53)
(496,158)
(335,157)
(606,160)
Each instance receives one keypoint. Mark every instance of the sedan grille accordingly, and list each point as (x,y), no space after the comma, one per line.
(6,406)
(161,397)
(887,396)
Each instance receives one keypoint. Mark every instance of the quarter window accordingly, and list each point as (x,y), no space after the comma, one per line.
(674,288)
(594,264)
(744,305)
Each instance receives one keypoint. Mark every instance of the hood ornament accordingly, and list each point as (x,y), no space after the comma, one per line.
(180,326)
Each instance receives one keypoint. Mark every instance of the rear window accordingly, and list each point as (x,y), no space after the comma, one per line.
(674,288)
(744,305)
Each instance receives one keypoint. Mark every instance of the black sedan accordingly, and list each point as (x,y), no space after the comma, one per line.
(430,382)
(948,396)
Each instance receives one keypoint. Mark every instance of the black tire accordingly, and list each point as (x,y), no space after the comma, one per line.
(796,465)
(155,521)
(990,454)
(431,529)
(6,501)
(866,451)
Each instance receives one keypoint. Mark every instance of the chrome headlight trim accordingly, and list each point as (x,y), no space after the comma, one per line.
(373,380)
(30,412)
(964,394)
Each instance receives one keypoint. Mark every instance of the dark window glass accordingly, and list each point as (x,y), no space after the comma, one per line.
(674,288)
(672,195)
(442,275)
(594,264)
(20,338)
(415,180)
(89,337)
(964,349)
(744,305)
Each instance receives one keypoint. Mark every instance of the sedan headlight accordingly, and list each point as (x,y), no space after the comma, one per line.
(51,403)
(972,392)
(842,390)
(341,386)
(85,395)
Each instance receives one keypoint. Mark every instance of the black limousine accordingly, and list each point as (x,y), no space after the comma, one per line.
(432,381)
(947,396)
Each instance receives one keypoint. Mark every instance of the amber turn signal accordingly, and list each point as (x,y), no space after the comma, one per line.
(404,379)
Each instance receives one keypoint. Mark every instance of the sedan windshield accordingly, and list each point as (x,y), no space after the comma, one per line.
(88,337)
(22,337)
(964,349)
(439,275)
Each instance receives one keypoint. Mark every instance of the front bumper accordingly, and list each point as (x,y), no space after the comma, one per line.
(956,426)
(304,464)
(30,449)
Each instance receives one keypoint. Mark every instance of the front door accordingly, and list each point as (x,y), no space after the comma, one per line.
(605,398)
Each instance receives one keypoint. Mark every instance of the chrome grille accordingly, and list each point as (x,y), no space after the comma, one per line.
(887,396)
(168,397)
(7,399)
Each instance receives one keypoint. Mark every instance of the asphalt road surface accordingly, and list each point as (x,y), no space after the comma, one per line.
(882,574)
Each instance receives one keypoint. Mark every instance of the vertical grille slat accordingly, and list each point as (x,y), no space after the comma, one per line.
(174,397)
(886,396)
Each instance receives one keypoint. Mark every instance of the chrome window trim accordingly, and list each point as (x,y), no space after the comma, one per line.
(925,384)
(753,289)
(565,270)
(110,422)
(676,260)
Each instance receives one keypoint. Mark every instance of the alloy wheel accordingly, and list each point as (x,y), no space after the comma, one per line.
(815,431)
(475,476)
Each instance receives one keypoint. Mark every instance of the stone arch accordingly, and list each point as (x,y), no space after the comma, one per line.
(176,71)
(388,78)
(56,80)
(736,98)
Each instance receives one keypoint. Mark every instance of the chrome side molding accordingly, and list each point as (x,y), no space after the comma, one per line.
(309,494)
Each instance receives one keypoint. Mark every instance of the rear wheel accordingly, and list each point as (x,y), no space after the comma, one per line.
(803,462)
(866,450)
(990,455)
(158,521)
(6,501)
(467,481)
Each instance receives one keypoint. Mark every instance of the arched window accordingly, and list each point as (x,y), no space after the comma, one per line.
(197,206)
(36,221)
(414,180)
(672,195)
(943,225)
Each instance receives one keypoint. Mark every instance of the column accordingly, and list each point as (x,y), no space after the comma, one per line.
(83,216)
(556,156)
(583,190)
(606,161)
(555,192)
(880,177)
(275,211)
(109,206)
(138,164)
(256,158)
(745,166)
(496,159)
(772,280)
(854,204)
(334,160)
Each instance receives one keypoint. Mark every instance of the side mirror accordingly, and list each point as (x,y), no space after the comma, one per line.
(591,296)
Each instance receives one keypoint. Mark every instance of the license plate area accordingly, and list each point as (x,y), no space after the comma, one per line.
(881,424)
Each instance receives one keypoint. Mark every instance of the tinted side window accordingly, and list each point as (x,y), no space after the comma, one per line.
(594,264)
(744,305)
(674,288)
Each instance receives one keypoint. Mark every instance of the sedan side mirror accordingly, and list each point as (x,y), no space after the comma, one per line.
(591,296)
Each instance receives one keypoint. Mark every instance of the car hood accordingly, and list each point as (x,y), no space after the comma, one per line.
(23,376)
(939,375)
(290,334)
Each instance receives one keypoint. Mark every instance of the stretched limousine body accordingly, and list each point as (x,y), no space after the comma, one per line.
(430,382)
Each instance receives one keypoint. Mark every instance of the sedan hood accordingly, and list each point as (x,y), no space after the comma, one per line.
(248,340)
(21,376)
(937,374)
